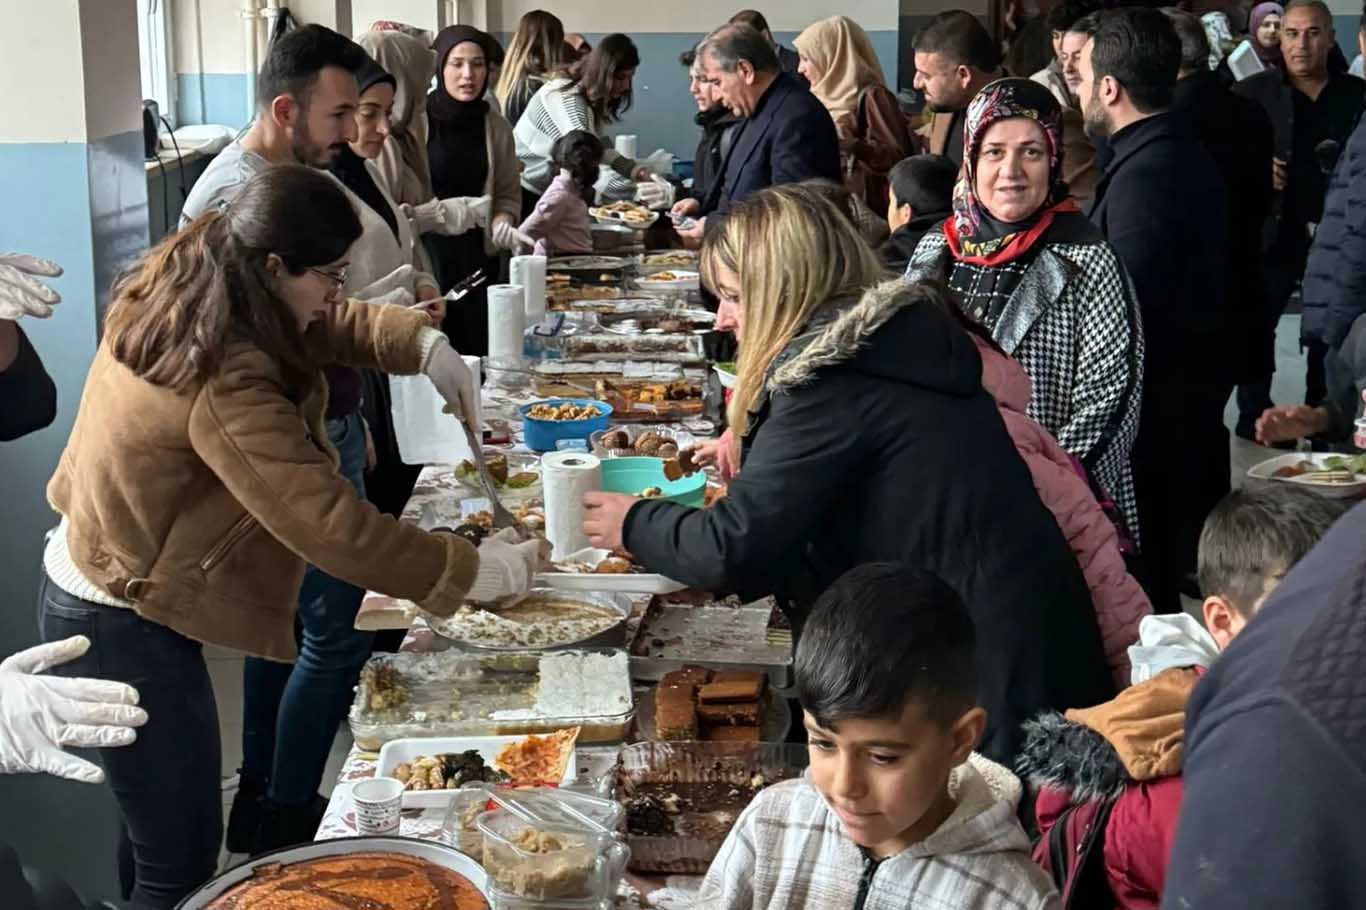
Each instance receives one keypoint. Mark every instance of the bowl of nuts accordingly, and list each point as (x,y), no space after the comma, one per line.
(544,423)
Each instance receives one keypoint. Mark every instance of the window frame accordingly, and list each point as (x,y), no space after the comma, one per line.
(156,56)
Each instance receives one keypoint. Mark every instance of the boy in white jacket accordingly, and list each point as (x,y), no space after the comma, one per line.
(895,810)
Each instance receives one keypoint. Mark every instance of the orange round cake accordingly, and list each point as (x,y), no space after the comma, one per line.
(391,881)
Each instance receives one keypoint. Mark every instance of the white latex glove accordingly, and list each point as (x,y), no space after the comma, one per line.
(658,162)
(506,236)
(453,380)
(453,216)
(404,277)
(506,567)
(39,715)
(658,193)
(20,293)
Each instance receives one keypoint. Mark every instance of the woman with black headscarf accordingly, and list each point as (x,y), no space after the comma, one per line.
(1025,263)
(472,154)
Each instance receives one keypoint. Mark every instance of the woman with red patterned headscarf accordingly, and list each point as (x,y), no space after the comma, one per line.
(1026,264)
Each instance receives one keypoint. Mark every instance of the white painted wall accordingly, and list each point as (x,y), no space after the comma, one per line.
(51,105)
(112,87)
(693,16)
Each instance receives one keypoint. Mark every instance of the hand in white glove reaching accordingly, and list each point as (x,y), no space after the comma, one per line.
(453,216)
(39,715)
(453,380)
(657,193)
(505,236)
(507,567)
(20,293)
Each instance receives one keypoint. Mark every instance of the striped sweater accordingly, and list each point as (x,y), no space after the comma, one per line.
(559,108)
(788,851)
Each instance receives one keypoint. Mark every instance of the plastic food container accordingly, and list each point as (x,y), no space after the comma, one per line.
(404,751)
(558,806)
(460,694)
(712,784)
(542,435)
(679,437)
(633,476)
(535,860)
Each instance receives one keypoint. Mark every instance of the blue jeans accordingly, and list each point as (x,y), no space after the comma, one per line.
(167,782)
(291,712)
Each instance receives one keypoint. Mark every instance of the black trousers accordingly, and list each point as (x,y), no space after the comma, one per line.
(1181,470)
(167,782)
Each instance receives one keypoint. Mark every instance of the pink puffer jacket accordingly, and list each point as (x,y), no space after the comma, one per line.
(1120,602)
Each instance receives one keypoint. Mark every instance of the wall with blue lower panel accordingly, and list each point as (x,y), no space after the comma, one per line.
(662,114)
(83,205)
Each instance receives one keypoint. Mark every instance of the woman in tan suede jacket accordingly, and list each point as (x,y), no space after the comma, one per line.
(198,480)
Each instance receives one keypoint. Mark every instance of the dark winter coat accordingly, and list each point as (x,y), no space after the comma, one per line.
(719,129)
(789,138)
(1275,759)
(28,397)
(1334,288)
(875,441)
(1161,205)
(1239,137)
(898,249)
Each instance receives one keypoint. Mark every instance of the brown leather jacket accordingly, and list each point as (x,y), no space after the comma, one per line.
(883,138)
(201,508)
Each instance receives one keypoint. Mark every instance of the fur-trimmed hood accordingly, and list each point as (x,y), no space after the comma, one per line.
(897,330)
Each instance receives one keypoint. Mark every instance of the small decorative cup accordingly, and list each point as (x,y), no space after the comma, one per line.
(379,802)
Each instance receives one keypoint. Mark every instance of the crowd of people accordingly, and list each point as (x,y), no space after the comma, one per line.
(977,449)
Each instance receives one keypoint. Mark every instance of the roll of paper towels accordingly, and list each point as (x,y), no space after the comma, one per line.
(626,146)
(507,320)
(529,272)
(565,477)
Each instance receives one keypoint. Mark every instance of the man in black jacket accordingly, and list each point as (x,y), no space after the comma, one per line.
(1312,110)
(1238,135)
(788,59)
(787,136)
(28,397)
(1161,205)
(719,127)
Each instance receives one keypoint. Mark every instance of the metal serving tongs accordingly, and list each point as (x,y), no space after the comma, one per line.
(502,518)
(465,285)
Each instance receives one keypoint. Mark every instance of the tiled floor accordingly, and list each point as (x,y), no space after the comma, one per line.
(226,666)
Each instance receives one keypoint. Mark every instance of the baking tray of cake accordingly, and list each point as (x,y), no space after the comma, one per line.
(775,719)
(682,799)
(459,693)
(681,629)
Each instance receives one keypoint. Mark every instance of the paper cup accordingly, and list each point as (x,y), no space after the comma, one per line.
(379,802)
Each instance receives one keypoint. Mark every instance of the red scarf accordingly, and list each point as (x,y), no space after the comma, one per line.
(1015,246)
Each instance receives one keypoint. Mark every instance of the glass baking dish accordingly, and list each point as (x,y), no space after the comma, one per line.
(459,693)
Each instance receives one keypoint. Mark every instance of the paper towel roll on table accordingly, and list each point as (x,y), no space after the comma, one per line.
(529,272)
(626,146)
(565,477)
(507,320)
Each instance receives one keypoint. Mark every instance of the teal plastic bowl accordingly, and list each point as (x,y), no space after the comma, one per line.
(634,475)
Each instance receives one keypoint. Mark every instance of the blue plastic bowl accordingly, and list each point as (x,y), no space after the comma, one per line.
(541,435)
(634,475)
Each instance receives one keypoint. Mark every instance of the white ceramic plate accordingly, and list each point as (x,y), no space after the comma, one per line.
(614,584)
(686,281)
(397,751)
(440,854)
(1267,469)
(605,217)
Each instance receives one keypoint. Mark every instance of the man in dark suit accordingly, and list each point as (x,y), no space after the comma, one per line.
(787,57)
(787,135)
(1161,205)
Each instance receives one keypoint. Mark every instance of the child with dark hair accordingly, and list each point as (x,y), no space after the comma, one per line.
(559,223)
(896,810)
(921,198)
(1126,755)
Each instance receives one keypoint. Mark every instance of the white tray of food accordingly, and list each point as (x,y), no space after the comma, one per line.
(599,571)
(1327,474)
(368,850)
(586,264)
(627,213)
(670,259)
(403,759)
(671,280)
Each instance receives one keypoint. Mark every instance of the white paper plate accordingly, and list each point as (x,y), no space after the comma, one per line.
(1268,468)
(728,380)
(433,852)
(613,584)
(687,281)
(602,217)
(397,751)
